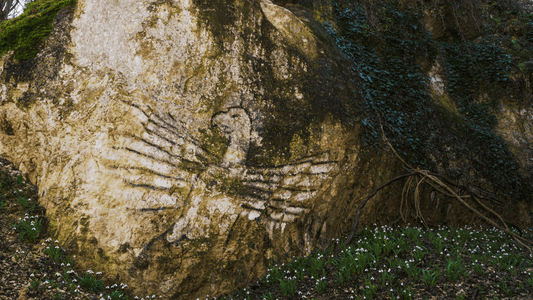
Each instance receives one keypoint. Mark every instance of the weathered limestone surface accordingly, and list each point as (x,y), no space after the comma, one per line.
(172,148)
(182,145)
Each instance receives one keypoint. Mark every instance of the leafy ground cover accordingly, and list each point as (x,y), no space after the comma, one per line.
(404,263)
(379,263)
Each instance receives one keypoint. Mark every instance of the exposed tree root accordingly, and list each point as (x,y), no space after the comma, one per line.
(441,184)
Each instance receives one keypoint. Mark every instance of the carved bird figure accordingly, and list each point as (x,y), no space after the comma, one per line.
(167,153)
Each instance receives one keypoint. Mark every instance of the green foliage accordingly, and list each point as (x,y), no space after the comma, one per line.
(28,227)
(20,179)
(455,269)
(2,200)
(116,295)
(273,275)
(54,252)
(388,47)
(26,203)
(412,271)
(25,33)
(34,284)
(317,265)
(430,277)
(268,296)
(321,285)
(91,283)
(288,287)
(407,294)
(471,69)
(393,86)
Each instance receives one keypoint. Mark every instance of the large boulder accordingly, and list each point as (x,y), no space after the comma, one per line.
(184,145)
(181,145)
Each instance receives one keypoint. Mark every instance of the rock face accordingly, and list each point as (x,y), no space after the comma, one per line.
(171,146)
(184,145)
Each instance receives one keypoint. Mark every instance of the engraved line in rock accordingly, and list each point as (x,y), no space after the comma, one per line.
(156,118)
(147,186)
(292,169)
(169,127)
(156,122)
(143,169)
(152,209)
(158,147)
(155,158)
(281,188)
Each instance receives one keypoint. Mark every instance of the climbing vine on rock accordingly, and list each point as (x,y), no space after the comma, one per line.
(391,50)
(393,84)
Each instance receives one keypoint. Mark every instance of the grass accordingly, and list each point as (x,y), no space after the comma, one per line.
(29,228)
(380,263)
(405,263)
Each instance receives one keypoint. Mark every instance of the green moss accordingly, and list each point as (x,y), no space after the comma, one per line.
(26,33)
(192,167)
(298,148)
(182,191)
(147,44)
(303,145)
(231,186)
(218,15)
(84,221)
(215,142)
(147,48)
(166,258)
(198,72)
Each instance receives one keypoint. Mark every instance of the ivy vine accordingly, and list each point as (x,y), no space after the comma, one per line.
(389,46)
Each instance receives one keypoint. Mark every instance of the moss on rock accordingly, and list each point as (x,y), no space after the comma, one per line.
(26,33)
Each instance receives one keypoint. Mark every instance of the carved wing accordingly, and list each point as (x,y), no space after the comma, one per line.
(283,192)
(159,156)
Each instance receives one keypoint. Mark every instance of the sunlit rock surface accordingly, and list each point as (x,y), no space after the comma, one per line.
(176,144)
(182,146)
